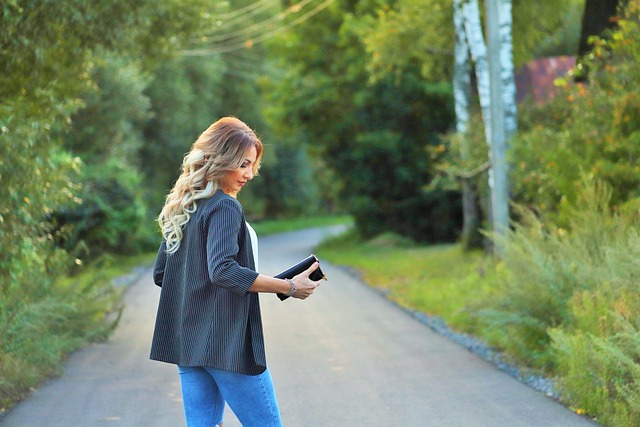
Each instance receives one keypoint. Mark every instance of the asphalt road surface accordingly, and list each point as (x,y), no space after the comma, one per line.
(344,357)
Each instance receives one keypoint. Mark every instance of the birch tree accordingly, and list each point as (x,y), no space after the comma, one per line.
(497,138)
(398,38)
(462,101)
(497,96)
(507,74)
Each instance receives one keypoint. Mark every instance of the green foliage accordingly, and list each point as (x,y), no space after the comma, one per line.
(45,320)
(442,280)
(404,32)
(109,124)
(45,58)
(601,375)
(591,129)
(288,185)
(397,37)
(35,177)
(548,268)
(372,136)
(109,215)
(51,56)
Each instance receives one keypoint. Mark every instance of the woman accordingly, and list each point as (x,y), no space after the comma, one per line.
(208,320)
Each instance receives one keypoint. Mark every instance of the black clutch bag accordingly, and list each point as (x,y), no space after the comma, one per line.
(303,265)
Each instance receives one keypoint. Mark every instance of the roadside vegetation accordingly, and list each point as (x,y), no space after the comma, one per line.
(441,280)
(41,324)
(562,302)
(266,227)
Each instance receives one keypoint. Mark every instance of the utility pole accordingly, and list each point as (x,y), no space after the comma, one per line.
(498,174)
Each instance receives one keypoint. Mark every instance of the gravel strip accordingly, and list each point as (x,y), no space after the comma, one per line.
(471,343)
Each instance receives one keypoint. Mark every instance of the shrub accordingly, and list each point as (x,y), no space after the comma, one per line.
(43,320)
(567,303)
(548,269)
(109,215)
(593,128)
(602,374)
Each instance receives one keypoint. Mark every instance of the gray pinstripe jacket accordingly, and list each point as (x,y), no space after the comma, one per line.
(205,315)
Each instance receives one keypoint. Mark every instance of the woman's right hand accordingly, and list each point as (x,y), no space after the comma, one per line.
(304,285)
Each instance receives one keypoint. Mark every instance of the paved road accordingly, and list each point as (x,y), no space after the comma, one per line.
(345,357)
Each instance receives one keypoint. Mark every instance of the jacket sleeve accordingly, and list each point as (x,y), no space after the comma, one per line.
(223,228)
(160,263)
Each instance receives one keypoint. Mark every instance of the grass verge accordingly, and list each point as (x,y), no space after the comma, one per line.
(442,280)
(37,332)
(267,227)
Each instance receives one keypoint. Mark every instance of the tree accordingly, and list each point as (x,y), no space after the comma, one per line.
(47,53)
(372,134)
(503,106)
(596,18)
(592,130)
(106,133)
(238,44)
(462,102)
(496,89)
(405,18)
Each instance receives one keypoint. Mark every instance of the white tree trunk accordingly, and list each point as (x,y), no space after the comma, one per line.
(462,96)
(506,65)
(496,90)
(461,70)
(478,49)
(498,55)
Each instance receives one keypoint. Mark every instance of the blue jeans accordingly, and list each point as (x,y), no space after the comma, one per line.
(251,397)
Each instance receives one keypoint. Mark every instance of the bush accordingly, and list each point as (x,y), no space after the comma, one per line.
(593,128)
(43,320)
(601,375)
(109,216)
(433,216)
(568,303)
(548,267)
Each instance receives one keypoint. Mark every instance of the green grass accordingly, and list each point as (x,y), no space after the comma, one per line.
(267,227)
(36,334)
(441,280)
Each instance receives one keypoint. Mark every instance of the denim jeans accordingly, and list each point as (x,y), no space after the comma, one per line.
(251,397)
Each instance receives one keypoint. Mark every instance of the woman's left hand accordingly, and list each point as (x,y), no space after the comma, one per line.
(304,285)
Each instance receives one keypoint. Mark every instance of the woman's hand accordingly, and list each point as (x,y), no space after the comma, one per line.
(304,285)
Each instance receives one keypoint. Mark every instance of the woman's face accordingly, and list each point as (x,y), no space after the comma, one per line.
(234,180)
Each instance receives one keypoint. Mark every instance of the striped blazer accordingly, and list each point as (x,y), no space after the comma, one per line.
(206,316)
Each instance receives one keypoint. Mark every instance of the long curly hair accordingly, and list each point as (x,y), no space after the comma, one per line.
(219,149)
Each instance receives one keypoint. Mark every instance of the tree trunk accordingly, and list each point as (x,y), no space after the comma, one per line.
(595,19)
(496,90)
(478,49)
(462,96)
(507,75)
(498,54)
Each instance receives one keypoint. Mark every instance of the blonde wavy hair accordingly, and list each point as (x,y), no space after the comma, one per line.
(219,149)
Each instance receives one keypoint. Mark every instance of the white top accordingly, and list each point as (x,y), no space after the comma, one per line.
(254,244)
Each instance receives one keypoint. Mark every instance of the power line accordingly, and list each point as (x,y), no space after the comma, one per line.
(245,32)
(248,43)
